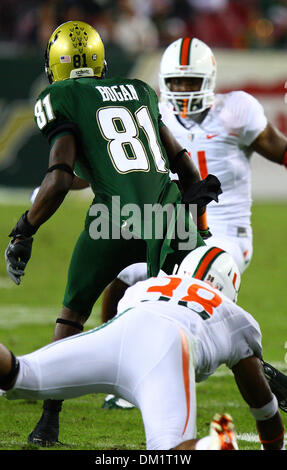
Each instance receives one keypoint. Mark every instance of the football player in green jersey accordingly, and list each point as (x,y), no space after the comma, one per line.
(109,133)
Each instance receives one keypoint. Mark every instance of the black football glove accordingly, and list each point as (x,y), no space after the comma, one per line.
(203,192)
(17,256)
(278,384)
(18,252)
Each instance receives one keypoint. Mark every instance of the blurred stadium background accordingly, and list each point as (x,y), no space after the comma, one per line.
(249,39)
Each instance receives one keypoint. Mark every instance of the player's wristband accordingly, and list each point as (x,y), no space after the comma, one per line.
(205,234)
(265,412)
(202,226)
(23,228)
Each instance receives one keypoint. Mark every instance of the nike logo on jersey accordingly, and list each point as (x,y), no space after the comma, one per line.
(210,136)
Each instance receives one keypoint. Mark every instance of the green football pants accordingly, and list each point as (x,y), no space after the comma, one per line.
(95,263)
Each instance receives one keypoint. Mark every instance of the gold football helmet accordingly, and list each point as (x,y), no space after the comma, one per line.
(74,50)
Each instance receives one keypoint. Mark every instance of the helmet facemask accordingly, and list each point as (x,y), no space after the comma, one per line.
(187,103)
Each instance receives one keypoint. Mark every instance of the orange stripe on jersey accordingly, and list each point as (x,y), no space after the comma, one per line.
(185,370)
(234,279)
(184,53)
(202,164)
(205,262)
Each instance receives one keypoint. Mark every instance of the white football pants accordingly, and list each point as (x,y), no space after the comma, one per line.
(140,356)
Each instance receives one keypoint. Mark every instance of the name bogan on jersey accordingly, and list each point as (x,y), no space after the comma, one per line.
(118,92)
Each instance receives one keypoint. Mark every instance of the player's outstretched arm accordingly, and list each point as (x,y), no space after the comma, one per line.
(255,390)
(271,144)
(52,192)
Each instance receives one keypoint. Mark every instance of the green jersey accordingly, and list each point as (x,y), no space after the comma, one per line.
(116,123)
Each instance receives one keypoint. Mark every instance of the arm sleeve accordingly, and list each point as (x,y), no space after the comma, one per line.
(246,339)
(52,113)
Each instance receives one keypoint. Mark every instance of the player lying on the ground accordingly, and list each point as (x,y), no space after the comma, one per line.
(170,332)
(220,132)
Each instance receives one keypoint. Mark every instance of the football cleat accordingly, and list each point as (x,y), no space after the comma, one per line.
(45,435)
(46,432)
(222,434)
(114,403)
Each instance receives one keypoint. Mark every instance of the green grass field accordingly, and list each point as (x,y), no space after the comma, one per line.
(28,313)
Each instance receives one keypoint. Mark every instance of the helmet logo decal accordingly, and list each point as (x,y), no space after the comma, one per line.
(79,37)
(65,59)
(54,39)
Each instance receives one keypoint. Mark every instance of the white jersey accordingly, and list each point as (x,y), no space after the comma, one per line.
(223,332)
(220,145)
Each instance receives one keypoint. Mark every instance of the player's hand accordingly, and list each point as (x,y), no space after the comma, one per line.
(17,256)
(203,192)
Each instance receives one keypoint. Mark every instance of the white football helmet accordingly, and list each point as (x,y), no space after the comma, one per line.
(187,57)
(214,266)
